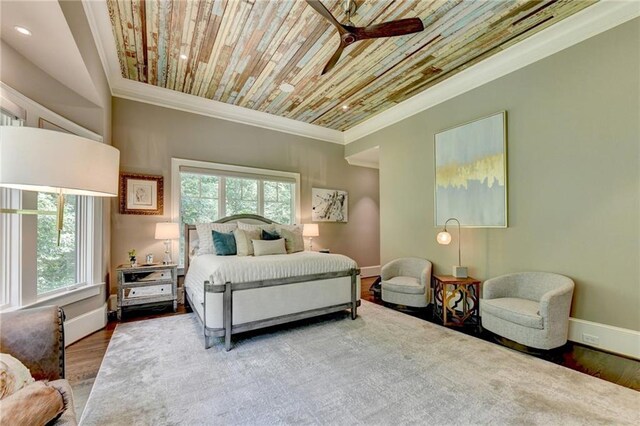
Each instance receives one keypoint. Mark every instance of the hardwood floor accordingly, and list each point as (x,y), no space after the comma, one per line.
(84,357)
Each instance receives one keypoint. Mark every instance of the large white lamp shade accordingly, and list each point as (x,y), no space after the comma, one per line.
(41,160)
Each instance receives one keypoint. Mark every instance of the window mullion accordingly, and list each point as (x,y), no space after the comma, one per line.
(261,197)
(222,197)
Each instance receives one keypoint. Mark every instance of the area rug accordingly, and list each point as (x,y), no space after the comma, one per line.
(383,368)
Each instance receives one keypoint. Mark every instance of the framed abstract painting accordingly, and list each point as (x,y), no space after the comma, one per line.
(329,205)
(471,173)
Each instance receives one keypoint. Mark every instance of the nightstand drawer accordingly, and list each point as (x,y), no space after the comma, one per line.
(143,300)
(151,290)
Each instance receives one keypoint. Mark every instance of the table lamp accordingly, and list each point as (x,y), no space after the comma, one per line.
(310,230)
(444,238)
(167,231)
(41,160)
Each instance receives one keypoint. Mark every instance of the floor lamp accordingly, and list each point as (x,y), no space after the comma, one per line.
(444,237)
(41,160)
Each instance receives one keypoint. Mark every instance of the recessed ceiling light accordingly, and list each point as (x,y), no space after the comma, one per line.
(286,87)
(183,56)
(345,107)
(22,30)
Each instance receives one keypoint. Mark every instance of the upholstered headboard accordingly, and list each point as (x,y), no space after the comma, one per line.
(191,234)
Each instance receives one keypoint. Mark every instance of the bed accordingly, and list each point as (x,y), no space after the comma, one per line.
(235,294)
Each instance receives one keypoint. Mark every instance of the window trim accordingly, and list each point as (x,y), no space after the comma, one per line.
(250,172)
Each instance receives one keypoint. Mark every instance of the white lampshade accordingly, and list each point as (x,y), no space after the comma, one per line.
(444,237)
(48,161)
(310,230)
(167,231)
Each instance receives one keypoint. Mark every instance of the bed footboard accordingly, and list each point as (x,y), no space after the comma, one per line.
(237,318)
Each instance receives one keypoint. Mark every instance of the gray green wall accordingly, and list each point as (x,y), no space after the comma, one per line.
(149,136)
(573,176)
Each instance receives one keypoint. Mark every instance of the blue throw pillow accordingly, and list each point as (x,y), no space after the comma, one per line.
(270,236)
(225,244)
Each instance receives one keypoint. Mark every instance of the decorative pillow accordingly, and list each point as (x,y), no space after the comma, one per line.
(13,375)
(263,248)
(224,243)
(270,236)
(206,238)
(35,404)
(244,246)
(292,228)
(293,240)
(259,227)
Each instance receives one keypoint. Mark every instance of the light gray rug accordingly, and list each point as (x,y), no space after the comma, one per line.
(383,368)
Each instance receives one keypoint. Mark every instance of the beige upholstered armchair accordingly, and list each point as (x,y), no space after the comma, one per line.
(531,308)
(407,281)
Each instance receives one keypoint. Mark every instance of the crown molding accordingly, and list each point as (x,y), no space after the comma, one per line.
(141,92)
(587,23)
(100,23)
(369,164)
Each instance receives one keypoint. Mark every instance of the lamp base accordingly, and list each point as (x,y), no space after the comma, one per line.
(167,253)
(460,271)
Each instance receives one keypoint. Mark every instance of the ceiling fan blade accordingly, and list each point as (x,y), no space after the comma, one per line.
(334,59)
(390,29)
(322,10)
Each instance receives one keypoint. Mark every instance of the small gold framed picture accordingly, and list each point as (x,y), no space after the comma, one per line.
(141,194)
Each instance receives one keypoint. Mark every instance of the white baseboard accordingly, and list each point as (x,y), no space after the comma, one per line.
(369,271)
(85,324)
(606,337)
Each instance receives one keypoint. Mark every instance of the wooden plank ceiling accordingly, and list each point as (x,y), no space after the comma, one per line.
(240,51)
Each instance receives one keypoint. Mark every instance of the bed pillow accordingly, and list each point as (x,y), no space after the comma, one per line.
(293,240)
(252,227)
(224,243)
(206,238)
(267,247)
(270,236)
(14,375)
(292,228)
(244,246)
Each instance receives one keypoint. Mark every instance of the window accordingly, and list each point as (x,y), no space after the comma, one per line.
(57,265)
(210,191)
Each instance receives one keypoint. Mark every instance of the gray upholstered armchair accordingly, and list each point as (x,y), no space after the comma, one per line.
(407,281)
(531,308)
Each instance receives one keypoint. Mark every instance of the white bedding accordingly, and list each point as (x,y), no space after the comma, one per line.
(237,269)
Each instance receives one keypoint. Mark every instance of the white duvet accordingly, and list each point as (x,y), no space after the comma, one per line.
(237,269)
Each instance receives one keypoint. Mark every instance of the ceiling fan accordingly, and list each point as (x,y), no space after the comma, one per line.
(349,33)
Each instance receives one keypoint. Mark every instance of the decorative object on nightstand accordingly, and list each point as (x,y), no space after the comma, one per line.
(310,230)
(132,258)
(146,286)
(456,300)
(48,161)
(167,231)
(444,237)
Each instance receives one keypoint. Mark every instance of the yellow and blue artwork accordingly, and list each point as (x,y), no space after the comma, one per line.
(471,173)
